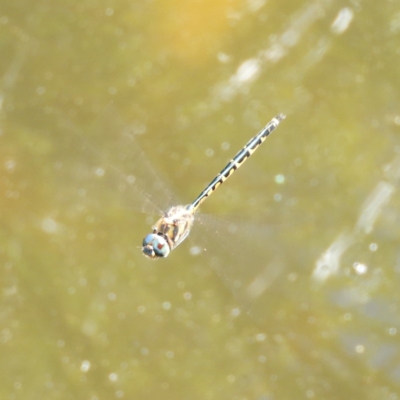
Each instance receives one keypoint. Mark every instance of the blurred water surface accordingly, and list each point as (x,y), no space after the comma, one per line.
(288,285)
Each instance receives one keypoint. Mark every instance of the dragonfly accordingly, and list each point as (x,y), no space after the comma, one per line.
(175,224)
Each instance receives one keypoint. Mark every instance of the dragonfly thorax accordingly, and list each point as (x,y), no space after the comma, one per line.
(169,231)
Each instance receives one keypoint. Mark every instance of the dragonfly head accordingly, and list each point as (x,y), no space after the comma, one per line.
(155,246)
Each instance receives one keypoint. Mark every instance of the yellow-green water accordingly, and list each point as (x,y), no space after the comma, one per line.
(85,316)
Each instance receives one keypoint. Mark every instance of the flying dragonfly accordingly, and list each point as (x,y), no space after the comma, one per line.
(175,224)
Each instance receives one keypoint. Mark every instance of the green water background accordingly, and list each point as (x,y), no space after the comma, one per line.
(297,296)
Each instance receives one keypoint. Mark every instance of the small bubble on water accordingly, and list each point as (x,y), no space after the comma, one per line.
(235,312)
(223,57)
(209,152)
(187,296)
(49,225)
(40,90)
(180,284)
(373,247)
(170,354)
(225,146)
(360,268)
(347,317)
(280,179)
(195,250)
(360,349)
(144,351)
(277,197)
(262,359)
(10,165)
(100,172)
(392,331)
(109,12)
(310,394)
(111,296)
(260,337)
(82,281)
(85,366)
(139,128)
(113,377)
(130,179)
(141,309)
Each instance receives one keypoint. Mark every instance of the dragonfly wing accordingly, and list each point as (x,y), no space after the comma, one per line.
(107,162)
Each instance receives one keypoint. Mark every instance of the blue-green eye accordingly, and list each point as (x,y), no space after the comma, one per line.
(155,246)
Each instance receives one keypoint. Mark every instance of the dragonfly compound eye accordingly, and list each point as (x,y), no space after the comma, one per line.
(155,246)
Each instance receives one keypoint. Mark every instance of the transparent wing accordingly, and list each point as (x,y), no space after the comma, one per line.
(107,164)
(252,259)
(288,274)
